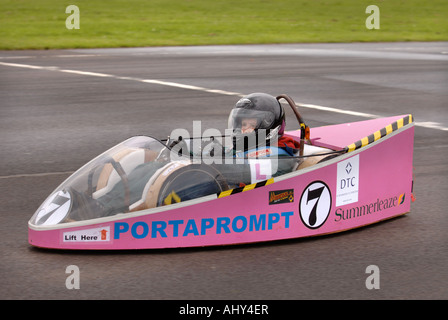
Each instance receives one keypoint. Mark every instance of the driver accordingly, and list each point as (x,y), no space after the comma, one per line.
(258,122)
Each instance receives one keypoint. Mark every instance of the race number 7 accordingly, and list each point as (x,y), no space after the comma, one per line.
(315,204)
(314,194)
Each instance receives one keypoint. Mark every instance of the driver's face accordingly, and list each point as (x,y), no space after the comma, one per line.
(248,125)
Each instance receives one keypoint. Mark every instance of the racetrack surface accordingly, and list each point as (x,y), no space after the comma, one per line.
(61,108)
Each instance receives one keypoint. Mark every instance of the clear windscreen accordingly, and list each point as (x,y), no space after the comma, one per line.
(107,185)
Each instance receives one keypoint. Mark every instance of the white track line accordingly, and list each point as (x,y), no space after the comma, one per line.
(336,110)
(190,87)
(425,124)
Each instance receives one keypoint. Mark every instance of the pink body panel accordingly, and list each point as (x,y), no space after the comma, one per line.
(356,189)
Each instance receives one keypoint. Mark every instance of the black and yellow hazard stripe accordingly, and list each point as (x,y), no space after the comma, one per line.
(245,188)
(380,133)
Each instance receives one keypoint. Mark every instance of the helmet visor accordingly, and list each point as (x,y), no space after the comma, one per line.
(247,120)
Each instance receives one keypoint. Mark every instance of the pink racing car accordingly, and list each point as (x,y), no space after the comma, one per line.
(145,193)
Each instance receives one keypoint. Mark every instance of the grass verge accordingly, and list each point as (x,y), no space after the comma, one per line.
(31,24)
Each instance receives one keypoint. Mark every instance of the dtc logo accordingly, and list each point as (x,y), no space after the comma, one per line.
(347,184)
(315,204)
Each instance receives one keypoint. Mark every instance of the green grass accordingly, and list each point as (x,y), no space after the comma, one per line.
(40,24)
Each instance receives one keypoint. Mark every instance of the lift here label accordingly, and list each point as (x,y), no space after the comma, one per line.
(101,234)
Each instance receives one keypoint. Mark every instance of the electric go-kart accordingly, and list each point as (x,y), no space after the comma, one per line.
(146,193)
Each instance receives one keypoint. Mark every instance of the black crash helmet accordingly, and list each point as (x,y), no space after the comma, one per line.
(258,119)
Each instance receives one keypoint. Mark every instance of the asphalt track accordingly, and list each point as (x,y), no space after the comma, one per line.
(61,108)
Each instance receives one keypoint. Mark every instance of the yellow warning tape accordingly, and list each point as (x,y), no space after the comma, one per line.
(380,133)
(245,188)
